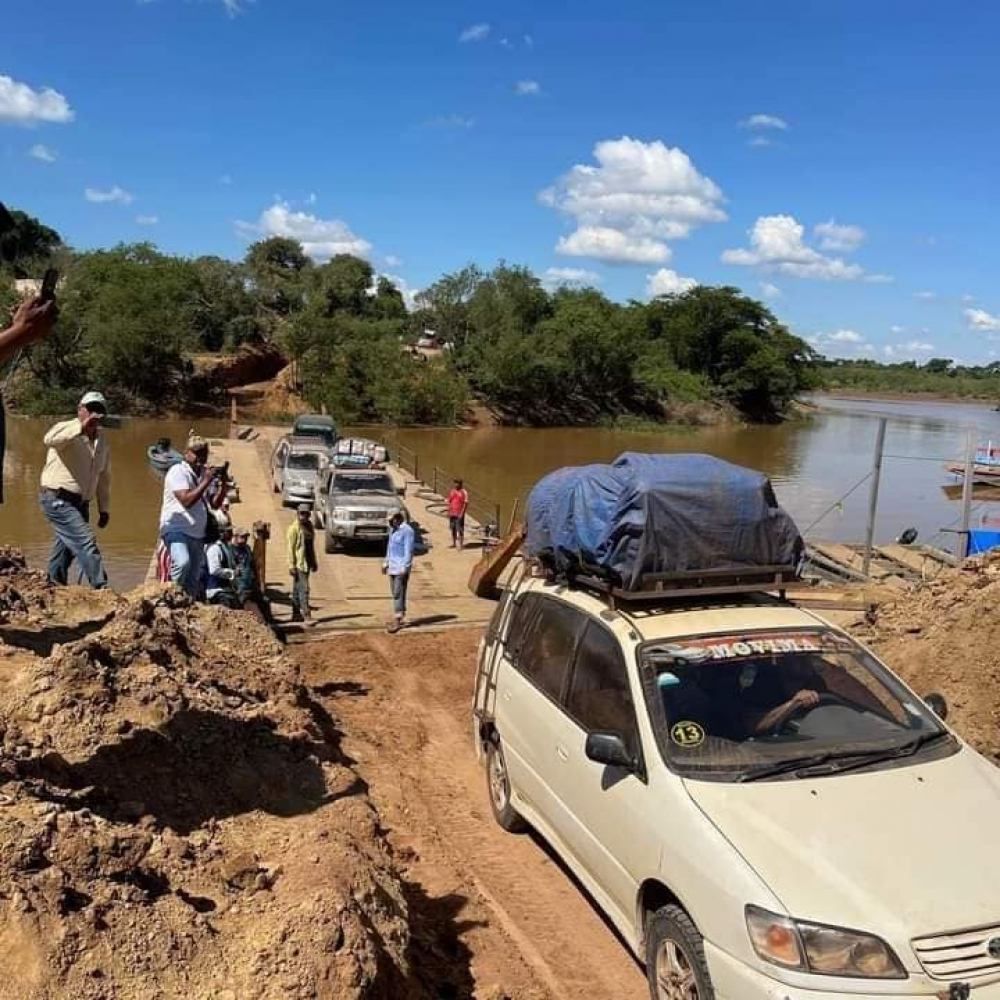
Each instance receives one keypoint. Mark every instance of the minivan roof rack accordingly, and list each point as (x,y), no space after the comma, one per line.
(659,587)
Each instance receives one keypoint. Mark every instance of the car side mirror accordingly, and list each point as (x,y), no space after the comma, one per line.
(937,704)
(401,491)
(610,749)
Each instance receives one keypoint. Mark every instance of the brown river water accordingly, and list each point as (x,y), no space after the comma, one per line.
(812,462)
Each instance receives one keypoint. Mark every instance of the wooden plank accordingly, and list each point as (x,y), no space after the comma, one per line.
(916,560)
(490,568)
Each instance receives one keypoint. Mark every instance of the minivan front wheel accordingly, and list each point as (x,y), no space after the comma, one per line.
(675,958)
(499,788)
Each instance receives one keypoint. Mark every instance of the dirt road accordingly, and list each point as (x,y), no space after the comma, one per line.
(403,703)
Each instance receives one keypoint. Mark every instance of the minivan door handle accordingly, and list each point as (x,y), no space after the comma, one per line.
(561,752)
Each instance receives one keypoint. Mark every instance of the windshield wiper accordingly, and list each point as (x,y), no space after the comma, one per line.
(905,750)
(856,758)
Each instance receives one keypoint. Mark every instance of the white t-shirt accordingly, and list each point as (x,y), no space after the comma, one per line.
(174,516)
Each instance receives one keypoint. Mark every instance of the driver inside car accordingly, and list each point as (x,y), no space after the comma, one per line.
(773,694)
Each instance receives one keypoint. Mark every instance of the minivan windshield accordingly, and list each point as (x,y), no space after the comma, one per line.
(762,704)
(362,484)
(303,460)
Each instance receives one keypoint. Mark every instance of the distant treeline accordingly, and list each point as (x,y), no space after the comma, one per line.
(131,318)
(940,376)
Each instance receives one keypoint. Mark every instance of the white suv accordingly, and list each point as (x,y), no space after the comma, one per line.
(762,809)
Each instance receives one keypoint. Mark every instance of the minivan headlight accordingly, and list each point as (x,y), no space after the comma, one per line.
(821,950)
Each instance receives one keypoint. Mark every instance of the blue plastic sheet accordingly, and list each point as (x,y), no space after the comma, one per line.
(651,514)
(983,541)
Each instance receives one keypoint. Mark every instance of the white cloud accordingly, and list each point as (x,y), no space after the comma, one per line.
(636,197)
(842,343)
(311,200)
(475,33)
(770,291)
(667,282)
(926,296)
(841,239)
(897,329)
(529,42)
(320,238)
(777,244)
(982,321)
(527,88)
(759,141)
(225,179)
(23,106)
(614,246)
(452,121)
(765,122)
(906,351)
(114,194)
(555,276)
(43,153)
(968,298)
(146,220)
(391,260)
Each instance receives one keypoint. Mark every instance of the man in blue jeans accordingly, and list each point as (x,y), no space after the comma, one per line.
(77,469)
(398,563)
(184,514)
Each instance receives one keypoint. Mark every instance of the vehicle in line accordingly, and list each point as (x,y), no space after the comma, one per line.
(757,803)
(357,505)
(298,466)
(315,425)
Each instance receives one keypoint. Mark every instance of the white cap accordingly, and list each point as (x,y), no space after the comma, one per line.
(94,397)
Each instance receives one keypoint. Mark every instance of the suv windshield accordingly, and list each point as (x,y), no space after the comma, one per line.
(303,460)
(362,484)
(759,704)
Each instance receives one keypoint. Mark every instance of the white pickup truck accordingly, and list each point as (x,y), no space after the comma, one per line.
(761,807)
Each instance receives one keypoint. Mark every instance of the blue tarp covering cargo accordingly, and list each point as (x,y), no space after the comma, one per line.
(658,514)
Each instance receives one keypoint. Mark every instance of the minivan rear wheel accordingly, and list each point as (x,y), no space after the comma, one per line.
(675,957)
(498,784)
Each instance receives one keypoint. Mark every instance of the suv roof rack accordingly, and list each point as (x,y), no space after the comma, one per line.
(659,587)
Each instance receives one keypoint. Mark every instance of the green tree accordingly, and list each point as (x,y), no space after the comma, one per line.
(28,246)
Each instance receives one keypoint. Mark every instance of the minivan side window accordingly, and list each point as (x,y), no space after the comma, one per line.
(548,649)
(599,697)
(517,628)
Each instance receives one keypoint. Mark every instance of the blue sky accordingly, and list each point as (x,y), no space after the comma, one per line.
(837,159)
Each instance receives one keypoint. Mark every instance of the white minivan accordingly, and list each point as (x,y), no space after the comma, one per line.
(759,805)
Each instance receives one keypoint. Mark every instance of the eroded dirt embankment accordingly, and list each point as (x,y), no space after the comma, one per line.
(178,817)
(944,635)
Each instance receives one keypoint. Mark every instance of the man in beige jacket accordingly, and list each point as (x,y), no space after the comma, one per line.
(77,469)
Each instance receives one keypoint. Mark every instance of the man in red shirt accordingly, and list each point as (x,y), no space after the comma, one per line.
(458,502)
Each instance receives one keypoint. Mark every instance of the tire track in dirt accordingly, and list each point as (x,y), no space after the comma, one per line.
(410,731)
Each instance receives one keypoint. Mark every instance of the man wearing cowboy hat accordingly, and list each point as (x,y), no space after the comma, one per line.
(184,514)
(77,469)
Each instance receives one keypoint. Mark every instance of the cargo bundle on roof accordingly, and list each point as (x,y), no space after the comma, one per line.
(648,517)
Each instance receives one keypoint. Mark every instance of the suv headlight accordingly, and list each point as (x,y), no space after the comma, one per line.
(821,950)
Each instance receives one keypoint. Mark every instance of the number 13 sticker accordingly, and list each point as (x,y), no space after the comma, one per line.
(687,734)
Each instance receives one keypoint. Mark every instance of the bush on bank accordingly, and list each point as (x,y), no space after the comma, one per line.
(131,317)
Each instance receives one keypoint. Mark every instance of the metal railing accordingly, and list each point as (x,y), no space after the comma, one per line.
(482,508)
(406,458)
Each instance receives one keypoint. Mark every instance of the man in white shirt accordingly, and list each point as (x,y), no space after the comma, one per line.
(77,469)
(184,514)
(219,588)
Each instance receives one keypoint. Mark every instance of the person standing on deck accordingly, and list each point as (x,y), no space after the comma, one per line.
(458,504)
(301,561)
(398,563)
(77,469)
(184,514)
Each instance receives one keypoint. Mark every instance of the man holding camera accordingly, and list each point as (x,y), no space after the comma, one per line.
(77,469)
(184,514)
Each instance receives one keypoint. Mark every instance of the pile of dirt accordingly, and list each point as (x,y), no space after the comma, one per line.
(178,817)
(944,635)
